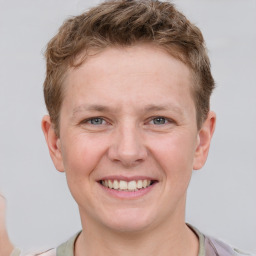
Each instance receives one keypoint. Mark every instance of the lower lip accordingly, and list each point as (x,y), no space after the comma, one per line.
(127,194)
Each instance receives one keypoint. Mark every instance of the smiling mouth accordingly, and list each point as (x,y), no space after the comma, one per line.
(122,185)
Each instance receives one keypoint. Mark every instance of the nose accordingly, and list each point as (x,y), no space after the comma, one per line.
(127,147)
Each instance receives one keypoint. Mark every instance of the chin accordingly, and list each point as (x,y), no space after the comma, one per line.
(129,220)
(128,227)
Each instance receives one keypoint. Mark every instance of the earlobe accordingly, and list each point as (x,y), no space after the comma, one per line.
(204,139)
(53,143)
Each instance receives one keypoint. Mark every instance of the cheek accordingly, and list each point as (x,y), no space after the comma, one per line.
(81,154)
(175,155)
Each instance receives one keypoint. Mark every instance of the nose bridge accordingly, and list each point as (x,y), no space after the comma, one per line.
(127,146)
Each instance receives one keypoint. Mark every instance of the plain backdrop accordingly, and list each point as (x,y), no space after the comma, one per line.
(221,197)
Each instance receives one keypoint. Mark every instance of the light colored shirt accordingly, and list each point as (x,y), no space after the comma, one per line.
(207,247)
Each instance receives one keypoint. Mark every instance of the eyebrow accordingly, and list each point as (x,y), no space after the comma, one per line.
(103,108)
(152,107)
(96,107)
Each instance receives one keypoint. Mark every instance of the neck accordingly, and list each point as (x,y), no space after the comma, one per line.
(171,238)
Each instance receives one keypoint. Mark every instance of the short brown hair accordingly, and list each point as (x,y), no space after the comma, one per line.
(126,23)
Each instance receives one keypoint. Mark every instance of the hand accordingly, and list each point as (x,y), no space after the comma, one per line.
(6,246)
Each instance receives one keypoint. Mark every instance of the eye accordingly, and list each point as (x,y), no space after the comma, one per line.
(96,121)
(159,120)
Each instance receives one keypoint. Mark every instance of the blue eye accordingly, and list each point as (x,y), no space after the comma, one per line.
(159,120)
(96,121)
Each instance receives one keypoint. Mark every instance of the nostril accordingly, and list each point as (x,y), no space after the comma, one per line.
(127,148)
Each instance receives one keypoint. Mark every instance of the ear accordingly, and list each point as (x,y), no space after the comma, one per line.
(53,143)
(204,140)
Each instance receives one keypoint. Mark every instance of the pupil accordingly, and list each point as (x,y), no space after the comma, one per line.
(159,120)
(96,121)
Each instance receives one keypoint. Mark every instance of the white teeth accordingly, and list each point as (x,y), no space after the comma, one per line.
(110,184)
(115,184)
(144,183)
(139,184)
(126,186)
(123,185)
(132,185)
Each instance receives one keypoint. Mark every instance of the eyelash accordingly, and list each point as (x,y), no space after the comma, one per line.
(94,118)
(166,120)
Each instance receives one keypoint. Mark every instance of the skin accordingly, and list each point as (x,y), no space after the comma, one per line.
(6,246)
(127,89)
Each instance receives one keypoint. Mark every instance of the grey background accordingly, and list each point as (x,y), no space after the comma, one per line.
(221,197)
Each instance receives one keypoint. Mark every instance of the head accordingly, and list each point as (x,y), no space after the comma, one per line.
(128,87)
(123,24)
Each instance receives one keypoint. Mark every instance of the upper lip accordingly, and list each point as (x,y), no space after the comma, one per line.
(125,178)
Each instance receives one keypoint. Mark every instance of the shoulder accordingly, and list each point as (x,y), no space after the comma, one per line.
(65,249)
(209,246)
(216,247)
(50,252)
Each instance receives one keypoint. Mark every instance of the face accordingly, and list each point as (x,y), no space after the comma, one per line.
(128,138)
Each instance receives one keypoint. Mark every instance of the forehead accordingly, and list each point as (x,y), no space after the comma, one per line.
(140,53)
(134,74)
